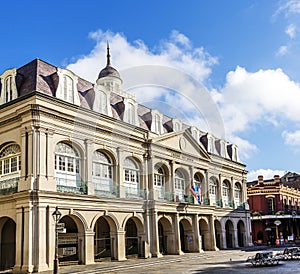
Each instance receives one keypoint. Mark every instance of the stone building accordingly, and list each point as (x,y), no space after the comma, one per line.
(128,180)
(275,209)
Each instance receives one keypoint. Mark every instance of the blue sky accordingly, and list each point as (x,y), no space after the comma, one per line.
(246,53)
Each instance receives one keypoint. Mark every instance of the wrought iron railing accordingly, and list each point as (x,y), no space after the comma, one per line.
(9,186)
(71,186)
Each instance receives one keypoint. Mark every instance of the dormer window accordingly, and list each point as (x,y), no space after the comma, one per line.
(67,87)
(130,115)
(176,125)
(211,144)
(102,101)
(223,148)
(195,133)
(9,89)
(156,124)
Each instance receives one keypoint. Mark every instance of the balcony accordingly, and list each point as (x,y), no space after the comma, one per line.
(135,193)
(71,186)
(165,196)
(9,186)
(107,190)
(281,214)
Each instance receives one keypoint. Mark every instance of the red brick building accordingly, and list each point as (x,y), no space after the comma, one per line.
(275,209)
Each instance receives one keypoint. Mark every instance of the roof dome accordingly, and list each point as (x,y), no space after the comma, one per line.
(108,70)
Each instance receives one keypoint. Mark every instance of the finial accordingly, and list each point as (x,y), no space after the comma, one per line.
(108,55)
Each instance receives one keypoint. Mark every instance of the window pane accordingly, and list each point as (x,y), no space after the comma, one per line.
(14,164)
(61,163)
(6,166)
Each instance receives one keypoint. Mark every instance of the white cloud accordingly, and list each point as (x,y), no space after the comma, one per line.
(265,95)
(292,138)
(282,51)
(289,7)
(291,31)
(247,98)
(176,52)
(267,173)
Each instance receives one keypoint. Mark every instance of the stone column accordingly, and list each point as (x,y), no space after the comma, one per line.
(223,243)
(121,244)
(154,234)
(212,233)
(88,249)
(88,176)
(178,250)
(120,172)
(26,242)
(197,236)
(172,182)
(235,238)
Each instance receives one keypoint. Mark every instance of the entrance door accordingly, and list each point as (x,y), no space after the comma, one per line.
(131,238)
(68,242)
(8,245)
(102,239)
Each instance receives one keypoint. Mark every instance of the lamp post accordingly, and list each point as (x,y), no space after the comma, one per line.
(56,217)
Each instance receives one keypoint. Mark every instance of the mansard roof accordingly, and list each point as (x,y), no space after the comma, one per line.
(40,76)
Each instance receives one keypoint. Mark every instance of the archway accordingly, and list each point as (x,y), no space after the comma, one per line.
(131,238)
(218,233)
(229,234)
(103,247)
(165,236)
(68,244)
(186,236)
(8,243)
(241,233)
(204,234)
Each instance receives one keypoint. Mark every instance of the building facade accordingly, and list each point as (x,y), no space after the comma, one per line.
(128,180)
(275,209)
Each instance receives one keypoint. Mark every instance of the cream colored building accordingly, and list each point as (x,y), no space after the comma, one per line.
(120,174)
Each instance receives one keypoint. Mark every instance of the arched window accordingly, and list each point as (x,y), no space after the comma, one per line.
(159,181)
(67,168)
(8,89)
(131,114)
(102,173)
(10,160)
(226,193)
(198,187)
(157,123)
(271,208)
(179,185)
(213,191)
(68,89)
(159,176)
(237,194)
(131,177)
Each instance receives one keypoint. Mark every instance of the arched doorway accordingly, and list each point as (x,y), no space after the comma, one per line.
(204,234)
(131,238)
(68,244)
(102,240)
(186,236)
(165,236)
(218,233)
(8,243)
(229,234)
(241,233)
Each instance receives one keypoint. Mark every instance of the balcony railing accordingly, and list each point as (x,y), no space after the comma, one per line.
(9,186)
(71,186)
(135,193)
(165,196)
(107,190)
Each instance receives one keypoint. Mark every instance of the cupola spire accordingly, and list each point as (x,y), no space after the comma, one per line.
(108,56)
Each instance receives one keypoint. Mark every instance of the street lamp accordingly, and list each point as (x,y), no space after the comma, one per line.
(56,217)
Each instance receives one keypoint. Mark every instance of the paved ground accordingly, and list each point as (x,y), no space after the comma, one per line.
(224,261)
